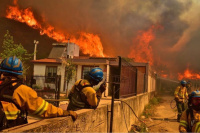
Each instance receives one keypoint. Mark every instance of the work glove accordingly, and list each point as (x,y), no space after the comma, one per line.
(180,100)
(70,113)
(102,88)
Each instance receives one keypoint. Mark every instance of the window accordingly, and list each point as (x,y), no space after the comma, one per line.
(86,70)
(51,72)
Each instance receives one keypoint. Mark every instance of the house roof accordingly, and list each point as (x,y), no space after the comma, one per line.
(91,60)
(47,60)
(138,64)
(57,51)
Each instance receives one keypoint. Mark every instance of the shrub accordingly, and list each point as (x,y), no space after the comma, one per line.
(37,87)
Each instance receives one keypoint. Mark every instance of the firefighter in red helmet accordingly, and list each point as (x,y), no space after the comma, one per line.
(190,119)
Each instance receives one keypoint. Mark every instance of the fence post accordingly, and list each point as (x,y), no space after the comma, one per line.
(31,81)
(136,73)
(117,86)
(112,108)
(58,92)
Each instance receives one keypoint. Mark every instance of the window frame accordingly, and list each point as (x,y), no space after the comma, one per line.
(50,79)
(90,66)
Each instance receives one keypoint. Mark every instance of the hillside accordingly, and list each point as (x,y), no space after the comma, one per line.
(25,35)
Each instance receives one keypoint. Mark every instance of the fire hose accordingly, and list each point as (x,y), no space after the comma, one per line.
(173,104)
(131,110)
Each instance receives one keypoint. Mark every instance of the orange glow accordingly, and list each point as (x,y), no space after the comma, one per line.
(88,43)
(188,74)
(164,75)
(142,52)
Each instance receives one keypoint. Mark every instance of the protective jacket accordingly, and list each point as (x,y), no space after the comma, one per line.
(20,100)
(181,93)
(83,95)
(190,121)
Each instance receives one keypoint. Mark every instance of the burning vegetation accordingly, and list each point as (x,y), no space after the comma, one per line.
(141,49)
(89,43)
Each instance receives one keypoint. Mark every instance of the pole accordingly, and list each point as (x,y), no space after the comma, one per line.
(35,50)
(112,106)
(115,95)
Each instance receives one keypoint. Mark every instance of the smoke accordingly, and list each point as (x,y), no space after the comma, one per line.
(118,22)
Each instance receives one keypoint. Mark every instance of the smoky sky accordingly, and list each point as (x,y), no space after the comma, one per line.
(117,23)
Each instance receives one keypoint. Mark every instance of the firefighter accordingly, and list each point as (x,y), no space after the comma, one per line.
(190,119)
(17,99)
(189,86)
(83,95)
(181,97)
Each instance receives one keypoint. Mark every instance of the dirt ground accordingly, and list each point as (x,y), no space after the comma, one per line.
(164,119)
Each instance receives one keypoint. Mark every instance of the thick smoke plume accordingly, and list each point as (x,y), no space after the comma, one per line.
(174,48)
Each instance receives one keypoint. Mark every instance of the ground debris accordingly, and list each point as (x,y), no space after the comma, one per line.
(138,128)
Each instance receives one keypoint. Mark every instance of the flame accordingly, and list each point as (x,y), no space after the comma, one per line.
(89,43)
(164,75)
(142,52)
(188,74)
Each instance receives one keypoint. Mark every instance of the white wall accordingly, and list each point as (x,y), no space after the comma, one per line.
(39,69)
(61,72)
(79,70)
(151,83)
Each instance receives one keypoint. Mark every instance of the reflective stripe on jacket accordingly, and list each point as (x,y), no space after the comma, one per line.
(28,100)
(78,102)
(185,122)
(10,110)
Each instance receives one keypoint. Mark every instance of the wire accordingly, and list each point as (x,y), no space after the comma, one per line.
(132,111)
(124,117)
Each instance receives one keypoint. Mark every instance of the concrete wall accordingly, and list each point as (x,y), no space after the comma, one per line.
(151,82)
(93,120)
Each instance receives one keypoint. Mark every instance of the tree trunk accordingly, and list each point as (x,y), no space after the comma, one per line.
(67,93)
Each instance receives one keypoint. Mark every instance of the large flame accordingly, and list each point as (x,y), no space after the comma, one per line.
(89,43)
(188,74)
(142,50)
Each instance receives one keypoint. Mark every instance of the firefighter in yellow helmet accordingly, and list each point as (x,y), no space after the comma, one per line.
(17,99)
(181,96)
(190,119)
(83,95)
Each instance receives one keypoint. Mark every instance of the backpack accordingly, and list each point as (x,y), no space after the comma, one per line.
(6,93)
(78,89)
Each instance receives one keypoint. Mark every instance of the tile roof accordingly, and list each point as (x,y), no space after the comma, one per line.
(47,60)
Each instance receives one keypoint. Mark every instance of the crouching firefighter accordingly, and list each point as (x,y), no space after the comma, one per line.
(181,97)
(190,119)
(17,99)
(83,95)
